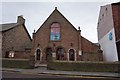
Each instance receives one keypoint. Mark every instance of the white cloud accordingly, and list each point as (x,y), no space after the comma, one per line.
(59,0)
(83,14)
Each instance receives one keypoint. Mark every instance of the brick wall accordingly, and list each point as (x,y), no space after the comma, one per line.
(88,46)
(22,55)
(92,56)
(116,19)
(68,34)
(16,38)
(70,37)
(0,44)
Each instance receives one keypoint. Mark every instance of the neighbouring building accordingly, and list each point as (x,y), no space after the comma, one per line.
(58,38)
(16,41)
(109,31)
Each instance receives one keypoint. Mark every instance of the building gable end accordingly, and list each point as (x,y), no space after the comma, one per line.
(53,13)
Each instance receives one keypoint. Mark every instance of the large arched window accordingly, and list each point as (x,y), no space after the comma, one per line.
(55,31)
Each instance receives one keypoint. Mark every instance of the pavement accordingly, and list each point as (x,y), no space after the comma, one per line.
(43,70)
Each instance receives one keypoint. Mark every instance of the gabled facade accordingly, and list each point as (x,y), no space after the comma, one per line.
(58,38)
(16,41)
(109,31)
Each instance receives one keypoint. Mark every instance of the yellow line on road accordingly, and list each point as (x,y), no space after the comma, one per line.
(26,73)
(85,76)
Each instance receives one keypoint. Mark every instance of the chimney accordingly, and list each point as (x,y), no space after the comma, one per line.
(55,7)
(20,19)
(79,42)
(33,36)
(79,29)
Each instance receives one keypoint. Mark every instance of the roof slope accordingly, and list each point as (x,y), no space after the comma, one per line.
(8,26)
(56,11)
(53,13)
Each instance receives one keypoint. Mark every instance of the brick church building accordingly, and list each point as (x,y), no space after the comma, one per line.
(58,38)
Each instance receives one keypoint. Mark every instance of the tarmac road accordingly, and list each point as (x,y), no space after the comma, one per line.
(29,76)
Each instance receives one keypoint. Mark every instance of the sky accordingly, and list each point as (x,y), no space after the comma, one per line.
(83,14)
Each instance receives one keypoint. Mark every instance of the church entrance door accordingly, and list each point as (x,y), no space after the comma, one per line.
(38,53)
(48,53)
(71,55)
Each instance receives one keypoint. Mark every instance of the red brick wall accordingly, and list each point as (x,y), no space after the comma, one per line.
(92,56)
(88,46)
(1,44)
(68,35)
(22,54)
(90,51)
(116,19)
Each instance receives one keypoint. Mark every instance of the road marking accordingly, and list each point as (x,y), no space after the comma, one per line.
(26,73)
(74,76)
(99,77)
(11,71)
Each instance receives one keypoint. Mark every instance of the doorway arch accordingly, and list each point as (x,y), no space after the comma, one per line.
(38,54)
(60,53)
(48,52)
(71,55)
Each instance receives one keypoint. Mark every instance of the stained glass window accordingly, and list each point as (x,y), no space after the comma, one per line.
(55,31)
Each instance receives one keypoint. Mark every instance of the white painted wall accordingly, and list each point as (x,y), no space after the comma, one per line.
(105,22)
(109,47)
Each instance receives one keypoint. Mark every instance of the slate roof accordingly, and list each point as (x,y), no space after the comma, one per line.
(4,27)
(116,3)
(8,26)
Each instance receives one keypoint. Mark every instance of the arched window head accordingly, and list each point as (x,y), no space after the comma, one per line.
(71,54)
(60,53)
(55,31)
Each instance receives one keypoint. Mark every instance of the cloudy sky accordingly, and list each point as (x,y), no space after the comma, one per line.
(79,13)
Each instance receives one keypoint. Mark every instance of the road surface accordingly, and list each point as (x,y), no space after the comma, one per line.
(29,76)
